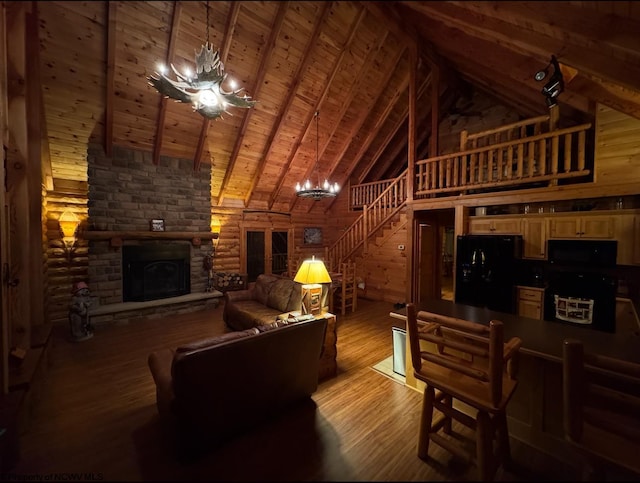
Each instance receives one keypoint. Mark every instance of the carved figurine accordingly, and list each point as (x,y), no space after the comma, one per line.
(207,264)
(81,328)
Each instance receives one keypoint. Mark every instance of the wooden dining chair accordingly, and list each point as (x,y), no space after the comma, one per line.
(601,406)
(346,297)
(464,362)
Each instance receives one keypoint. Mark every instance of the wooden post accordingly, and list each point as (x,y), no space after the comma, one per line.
(18,199)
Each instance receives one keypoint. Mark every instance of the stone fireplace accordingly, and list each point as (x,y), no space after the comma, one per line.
(132,264)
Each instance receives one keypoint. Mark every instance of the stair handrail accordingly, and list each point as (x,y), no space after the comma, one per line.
(373,217)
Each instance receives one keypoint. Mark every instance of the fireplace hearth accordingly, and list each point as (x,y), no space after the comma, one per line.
(155,271)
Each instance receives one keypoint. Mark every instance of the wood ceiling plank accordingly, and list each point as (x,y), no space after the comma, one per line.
(173,35)
(337,65)
(264,63)
(109,95)
(278,124)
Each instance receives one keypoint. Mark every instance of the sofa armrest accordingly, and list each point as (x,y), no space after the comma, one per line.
(160,363)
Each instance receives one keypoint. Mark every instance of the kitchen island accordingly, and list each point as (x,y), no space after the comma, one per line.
(535,412)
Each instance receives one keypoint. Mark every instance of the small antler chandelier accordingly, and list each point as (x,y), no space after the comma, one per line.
(204,88)
(317,193)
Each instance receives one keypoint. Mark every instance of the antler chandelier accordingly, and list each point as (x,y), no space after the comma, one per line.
(317,193)
(204,88)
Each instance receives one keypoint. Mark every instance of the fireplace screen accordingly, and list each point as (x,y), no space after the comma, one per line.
(152,272)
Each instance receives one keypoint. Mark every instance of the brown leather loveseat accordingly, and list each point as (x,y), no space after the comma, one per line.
(212,389)
(265,299)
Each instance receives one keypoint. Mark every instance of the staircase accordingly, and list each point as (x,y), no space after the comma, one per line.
(379,213)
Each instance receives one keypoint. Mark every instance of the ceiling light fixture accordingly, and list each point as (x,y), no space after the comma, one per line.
(317,193)
(203,90)
(555,85)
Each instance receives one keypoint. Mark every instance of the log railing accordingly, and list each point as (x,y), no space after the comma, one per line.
(526,152)
(373,217)
(544,157)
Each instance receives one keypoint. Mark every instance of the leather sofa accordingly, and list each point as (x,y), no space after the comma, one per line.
(261,303)
(209,390)
(268,297)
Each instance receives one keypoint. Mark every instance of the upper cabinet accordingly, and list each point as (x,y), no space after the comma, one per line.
(536,229)
(534,238)
(627,232)
(494,225)
(588,226)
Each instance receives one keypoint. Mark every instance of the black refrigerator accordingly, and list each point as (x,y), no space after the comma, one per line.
(486,270)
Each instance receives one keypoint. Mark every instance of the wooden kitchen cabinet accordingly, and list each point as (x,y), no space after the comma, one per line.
(626,232)
(531,302)
(589,226)
(534,237)
(494,225)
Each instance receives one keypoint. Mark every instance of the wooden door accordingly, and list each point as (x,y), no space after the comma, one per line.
(428,262)
(266,250)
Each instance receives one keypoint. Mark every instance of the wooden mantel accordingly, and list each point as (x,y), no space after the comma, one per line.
(116,237)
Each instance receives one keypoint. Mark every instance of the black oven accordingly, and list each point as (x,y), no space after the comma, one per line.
(582,299)
(583,253)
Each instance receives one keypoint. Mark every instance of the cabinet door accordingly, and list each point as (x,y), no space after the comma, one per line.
(534,238)
(597,227)
(624,234)
(480,226)
(564,227)
(529,308)
(636,239)
(507,225)
(530,302)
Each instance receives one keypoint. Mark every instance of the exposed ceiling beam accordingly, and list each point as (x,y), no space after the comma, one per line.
(278,124)
(255,92)
(353,90)
(516,37)
(173,36)
(390,134)
(110,84)
(364,113)
(336,69)
(230,26)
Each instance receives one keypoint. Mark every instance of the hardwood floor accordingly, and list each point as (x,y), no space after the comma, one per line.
(97,416)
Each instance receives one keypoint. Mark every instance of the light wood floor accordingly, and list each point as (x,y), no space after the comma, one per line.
(97,416)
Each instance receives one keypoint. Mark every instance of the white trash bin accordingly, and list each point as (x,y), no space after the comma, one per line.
(399,350)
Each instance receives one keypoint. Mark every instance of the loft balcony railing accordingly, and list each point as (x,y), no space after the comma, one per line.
(547,157)
(523,153)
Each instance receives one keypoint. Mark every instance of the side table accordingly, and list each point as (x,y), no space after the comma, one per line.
(328,359)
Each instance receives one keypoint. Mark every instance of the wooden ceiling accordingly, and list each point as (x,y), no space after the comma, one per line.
(349,61)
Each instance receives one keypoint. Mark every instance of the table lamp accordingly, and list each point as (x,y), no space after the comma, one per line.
(311,274)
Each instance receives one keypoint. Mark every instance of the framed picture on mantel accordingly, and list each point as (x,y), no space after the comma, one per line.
(157,225)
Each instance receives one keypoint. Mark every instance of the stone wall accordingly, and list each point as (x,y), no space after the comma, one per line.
(127,191)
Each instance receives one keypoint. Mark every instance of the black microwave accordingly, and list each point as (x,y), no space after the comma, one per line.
(585,253)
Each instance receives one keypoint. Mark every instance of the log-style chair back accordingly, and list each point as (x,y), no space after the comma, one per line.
(347,294)
(601,406)
(469,362)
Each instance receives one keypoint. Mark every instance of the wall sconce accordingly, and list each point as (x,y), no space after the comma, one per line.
(68,223)
(215,229)
(555,85)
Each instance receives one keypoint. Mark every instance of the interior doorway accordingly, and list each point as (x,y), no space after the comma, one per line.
(266,250)
(435,254)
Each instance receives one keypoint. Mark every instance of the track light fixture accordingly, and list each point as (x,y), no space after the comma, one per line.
(555,84)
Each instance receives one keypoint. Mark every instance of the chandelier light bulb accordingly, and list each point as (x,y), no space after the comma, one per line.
(208,98)
(297,186)
(162,68)
(307,185)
